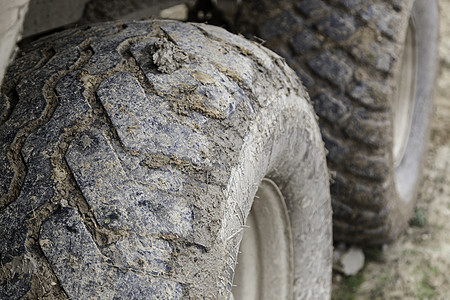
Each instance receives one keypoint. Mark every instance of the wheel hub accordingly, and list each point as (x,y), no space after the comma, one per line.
(404,100)
(265,269)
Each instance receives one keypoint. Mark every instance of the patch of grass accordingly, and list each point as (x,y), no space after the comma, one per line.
(425,290)
(384,285)
(419,219)
(438,227)
(348,287)
(434,269)
(378,291)
(410,252)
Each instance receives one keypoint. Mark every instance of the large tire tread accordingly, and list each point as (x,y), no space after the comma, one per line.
(66,146)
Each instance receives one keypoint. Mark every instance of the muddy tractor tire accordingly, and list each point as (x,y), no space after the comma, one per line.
(369,67)
(130,158)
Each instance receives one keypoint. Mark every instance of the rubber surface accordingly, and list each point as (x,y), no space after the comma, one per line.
(347,53)
(130,156)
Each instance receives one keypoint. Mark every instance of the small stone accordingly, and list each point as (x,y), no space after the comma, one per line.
(349,262)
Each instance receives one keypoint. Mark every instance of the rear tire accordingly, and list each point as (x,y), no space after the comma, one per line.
(131,154)
(373,109)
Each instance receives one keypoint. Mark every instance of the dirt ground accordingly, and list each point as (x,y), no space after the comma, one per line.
(417,266)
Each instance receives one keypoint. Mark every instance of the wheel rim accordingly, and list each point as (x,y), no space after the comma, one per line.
(404,100)
(265,269)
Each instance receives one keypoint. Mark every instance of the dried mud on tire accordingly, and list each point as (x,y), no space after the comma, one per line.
(130,156)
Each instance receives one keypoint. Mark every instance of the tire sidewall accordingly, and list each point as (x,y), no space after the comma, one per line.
(407,176)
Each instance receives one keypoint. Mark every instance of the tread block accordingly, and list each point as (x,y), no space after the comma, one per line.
(333,67)
(214,94)
(367,48)
(6,171)
(11,219)
(106,50)
(370,128)
(311,8)
(16,288)
(380,14)
(170,179)
(145,125)
(85,273)
(358,217)
(72,108)
(22,65)
(105,55)
(117,201)
(374,95)
(369,167)
(371,236)
(147,254)
(338,26)
(229,62)
(12,228)
(304,41)
(365,196)
(179,81)
(331,109)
